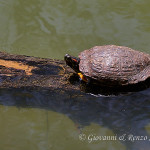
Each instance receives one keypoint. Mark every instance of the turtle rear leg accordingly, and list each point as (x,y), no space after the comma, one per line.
(141,76)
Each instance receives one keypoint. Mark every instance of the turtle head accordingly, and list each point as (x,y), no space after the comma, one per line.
(73,62)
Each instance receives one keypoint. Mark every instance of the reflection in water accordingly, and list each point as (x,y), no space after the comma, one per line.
(123,114)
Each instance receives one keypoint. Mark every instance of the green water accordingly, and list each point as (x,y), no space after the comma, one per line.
(52,28)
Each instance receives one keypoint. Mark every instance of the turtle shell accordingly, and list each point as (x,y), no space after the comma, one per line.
(115,65)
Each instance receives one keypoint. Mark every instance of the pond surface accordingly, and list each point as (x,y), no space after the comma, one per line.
(43,120)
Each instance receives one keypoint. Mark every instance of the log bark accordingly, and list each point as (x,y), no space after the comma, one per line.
(26,71)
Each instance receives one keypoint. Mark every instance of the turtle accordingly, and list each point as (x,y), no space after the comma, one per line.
(111,65)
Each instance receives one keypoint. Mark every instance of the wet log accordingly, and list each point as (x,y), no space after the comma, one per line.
(19,71)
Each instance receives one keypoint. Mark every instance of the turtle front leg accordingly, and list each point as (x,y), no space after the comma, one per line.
(84,78)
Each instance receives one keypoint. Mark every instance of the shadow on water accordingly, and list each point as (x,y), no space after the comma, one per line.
(99,90)
(125,114)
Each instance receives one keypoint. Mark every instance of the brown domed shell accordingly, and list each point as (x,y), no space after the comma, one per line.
(115,65)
